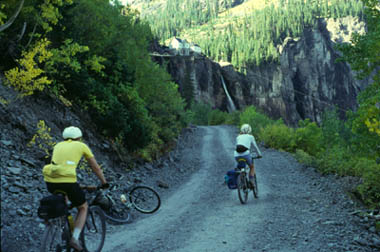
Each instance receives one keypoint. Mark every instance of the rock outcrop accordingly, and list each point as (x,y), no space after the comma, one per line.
(306,80)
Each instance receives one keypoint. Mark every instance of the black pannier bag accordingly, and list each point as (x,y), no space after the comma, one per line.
(241,148)
(52,206)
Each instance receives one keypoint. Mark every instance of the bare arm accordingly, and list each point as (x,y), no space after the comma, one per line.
(256,147)
(96,169)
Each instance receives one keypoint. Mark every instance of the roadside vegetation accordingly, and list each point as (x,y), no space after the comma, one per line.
(349,147)
(95,55)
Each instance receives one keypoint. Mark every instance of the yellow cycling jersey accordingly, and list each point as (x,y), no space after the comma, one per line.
(66,156)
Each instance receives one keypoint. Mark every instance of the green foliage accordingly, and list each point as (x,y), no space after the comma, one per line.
(370,188)
(308,137)
(43,139)
(332,147)
(363,56)
(333,129)
(249,38)
(304,158)
(29,76)
(203,114)
(233,118)
(336,159)
(200,113)
(2,15)
(98,59)
(278,136)
(35,21)
(258,121)
(217,117)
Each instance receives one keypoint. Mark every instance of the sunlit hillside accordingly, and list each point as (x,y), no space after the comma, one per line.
(247,7)
(244,34)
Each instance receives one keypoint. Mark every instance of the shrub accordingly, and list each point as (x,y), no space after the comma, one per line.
(257,120)
(233,118)
(217,117)
(304,158)
(308,137)
(333,129)
(278,136)
(43,139)
(370,188)
(201,113)
(336,160)
(29,76)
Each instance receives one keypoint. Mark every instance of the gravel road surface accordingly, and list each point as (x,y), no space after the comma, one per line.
(297,209)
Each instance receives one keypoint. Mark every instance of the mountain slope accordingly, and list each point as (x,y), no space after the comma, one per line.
(22,184)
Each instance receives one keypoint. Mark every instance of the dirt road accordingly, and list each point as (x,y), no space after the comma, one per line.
(297,209)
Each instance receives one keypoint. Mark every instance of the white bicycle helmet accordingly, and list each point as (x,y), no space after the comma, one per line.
(245,129)
(71,133)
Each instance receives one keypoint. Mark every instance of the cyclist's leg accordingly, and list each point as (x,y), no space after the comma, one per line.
(78,199)
(80,219)
(252,170)
(249,161)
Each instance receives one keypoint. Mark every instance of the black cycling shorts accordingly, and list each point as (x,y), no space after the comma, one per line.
(72,190)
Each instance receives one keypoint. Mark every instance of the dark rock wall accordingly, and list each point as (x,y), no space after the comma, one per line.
(302,84)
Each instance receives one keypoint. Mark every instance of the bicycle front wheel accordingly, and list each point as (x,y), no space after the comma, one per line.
(255,188)
(94,231)
(145,199)
(242,188)
(56,236)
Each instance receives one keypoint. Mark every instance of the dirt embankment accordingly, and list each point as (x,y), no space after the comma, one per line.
(21,180)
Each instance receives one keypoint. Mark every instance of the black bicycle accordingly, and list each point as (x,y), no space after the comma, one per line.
(118,202)
(58,230)
(243,183)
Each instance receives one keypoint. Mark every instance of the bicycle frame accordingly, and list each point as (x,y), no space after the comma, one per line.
(244,184)
(64,225)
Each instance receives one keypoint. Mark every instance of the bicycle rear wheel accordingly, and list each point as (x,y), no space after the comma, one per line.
(119,212)
(145,199)
(243,188)
(94,231)
(255,188)
(56,236)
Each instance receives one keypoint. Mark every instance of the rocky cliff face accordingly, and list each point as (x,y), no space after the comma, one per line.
(302,84)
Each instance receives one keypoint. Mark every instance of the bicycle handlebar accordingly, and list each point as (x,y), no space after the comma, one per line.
(92,188)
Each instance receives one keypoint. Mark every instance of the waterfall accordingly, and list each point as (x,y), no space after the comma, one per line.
(230,103)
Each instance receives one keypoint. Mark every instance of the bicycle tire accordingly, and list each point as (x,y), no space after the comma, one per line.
(119,212)
(242,188)
(56,237)
(145,199)
(94,231)
(255,188)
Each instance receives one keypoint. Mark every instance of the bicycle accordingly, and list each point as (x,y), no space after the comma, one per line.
(118,203)
(243,183)
(58,230)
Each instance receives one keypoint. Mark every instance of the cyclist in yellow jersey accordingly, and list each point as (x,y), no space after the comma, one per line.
(61,175)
